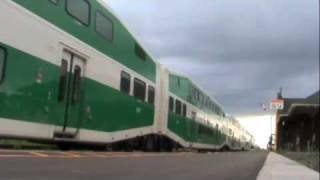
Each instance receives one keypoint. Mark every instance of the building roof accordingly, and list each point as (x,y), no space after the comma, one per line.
(310,100)
(314,98)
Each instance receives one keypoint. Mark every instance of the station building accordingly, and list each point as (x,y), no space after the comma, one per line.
(297,125)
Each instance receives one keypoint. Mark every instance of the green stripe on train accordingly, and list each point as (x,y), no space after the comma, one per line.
(121,49)
(22,98)
(188,130)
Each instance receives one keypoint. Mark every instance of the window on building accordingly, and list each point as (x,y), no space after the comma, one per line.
(125,82)
(178,107)
(184,111)
(140,52)
(80,10)
(104,26)
(2,63)
(139,89)
(151,94)
(171,104)
(54,1)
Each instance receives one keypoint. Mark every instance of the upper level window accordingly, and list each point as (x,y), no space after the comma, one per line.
(139,89)
(178,107)
(54,1)
(80,10)
(139,52)
(151,94)
(2,63)
(171,104)
(125,82)
(184,110)
(104,26)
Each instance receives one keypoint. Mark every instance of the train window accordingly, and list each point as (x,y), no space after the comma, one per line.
(63,80)
(219,111)
(104,26)
(215,109)
(139,52)
(76,86)
(54,1)
(178,107)
(125,82)
(80,10)
(2,63)
(171,104)
(139,89)
(184,110)
(151,94)
(193,115)
(217,129)
(200,129)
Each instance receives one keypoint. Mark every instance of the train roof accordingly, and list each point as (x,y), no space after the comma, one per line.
(105,5)
(196,85)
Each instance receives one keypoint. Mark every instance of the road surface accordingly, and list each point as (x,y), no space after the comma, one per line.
(41,165)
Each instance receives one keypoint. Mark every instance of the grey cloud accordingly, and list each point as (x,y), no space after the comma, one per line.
(241,52)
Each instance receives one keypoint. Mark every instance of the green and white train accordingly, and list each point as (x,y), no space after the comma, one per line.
(71,72)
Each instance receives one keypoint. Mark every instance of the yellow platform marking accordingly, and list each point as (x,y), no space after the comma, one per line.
(15,156)
(73,154)
(39,154)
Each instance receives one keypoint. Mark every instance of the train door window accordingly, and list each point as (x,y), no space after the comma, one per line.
(178,107)
(139,89)
(54,1)
(125,82)
(2,63)
(151,94)
(104,26)
(76,87)
(184,110)
(63,80)
(80,10)
(171,104)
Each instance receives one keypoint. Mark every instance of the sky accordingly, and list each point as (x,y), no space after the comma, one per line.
(239,52)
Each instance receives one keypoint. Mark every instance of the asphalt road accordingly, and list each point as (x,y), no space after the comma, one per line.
(37,165)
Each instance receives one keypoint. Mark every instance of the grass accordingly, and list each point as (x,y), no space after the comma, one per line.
(309,159)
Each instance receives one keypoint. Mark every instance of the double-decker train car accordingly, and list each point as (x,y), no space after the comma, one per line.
(71,72)
(194,119)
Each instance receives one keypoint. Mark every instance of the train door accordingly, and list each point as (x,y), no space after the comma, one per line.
(71,92)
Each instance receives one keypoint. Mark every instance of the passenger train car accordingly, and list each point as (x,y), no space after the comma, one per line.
(71,72)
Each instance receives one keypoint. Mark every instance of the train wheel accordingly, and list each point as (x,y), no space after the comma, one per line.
(149,144)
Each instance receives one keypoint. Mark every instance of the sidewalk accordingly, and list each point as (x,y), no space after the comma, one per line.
(278,167)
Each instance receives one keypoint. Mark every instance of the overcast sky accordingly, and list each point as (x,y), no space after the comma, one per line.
(239,51)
